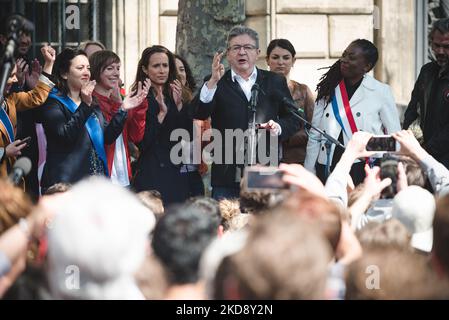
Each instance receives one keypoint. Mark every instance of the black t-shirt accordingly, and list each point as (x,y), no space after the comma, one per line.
(351,89)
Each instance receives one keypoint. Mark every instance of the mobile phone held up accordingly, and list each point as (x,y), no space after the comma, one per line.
(25,141)
(383,143)
(258,178)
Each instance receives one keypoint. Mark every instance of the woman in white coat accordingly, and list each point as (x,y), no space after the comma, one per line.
(349,100)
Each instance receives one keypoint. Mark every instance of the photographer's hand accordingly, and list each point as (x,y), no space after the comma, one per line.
(15,149)
(372,187)
(348,248)
(356,147)
(409,145)
(402,182)
(297,175)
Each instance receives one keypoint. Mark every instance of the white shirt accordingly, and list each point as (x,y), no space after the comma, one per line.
(119,174)
(207,94)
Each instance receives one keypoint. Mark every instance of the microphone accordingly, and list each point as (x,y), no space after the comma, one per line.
(290,104)
(254,96)
(20,169)
(293,106)
(17,24)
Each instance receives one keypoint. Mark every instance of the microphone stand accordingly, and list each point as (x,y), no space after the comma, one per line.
(5,73)
(252,126)
(8,58)
(329,140)
(252,137)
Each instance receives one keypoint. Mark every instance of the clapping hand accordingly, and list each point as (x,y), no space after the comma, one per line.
(22,69)
(162,106)
(135,98)
(86,92)
(115,93)
(33,78)
(176,89)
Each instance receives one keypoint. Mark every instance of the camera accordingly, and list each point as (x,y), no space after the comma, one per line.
(258,178)
(389,169)
(383,143)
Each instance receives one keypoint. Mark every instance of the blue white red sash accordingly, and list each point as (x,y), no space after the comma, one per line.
(6,122)
(342,112)
(92,125)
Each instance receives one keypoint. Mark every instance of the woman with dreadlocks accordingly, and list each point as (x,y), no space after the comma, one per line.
(349,100)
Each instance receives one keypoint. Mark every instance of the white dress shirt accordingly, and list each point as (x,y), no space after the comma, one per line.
(119,174)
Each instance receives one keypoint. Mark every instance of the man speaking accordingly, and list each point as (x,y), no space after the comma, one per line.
(226,98)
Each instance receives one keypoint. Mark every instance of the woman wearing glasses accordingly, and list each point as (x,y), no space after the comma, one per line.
(225,98)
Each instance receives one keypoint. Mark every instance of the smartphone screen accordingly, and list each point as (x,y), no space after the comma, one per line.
(263,179)
(382,144)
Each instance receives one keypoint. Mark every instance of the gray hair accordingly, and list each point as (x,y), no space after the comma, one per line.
(101,247)
(241,30)
(441,25)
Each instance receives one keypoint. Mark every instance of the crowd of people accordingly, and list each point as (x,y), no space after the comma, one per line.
(109,214)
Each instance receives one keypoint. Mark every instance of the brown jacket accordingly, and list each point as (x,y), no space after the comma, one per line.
(294,149)
(20,101)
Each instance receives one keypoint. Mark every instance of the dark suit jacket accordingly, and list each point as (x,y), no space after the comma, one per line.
(68,142)
(155,170)
(229,110)
(420,105)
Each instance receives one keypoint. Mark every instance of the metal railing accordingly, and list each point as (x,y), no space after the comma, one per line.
(50,19)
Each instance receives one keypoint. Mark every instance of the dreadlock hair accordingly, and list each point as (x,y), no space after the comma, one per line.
(328,81)
(332,78)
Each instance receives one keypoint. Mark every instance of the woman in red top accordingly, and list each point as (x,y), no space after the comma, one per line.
(105,70)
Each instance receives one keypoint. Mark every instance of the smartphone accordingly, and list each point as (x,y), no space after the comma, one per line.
(258,178)
(25,140)
(383,143)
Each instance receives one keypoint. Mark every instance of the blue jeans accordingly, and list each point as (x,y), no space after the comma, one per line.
(219,193)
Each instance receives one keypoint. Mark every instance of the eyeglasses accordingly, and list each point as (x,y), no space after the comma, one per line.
(246,48)
(438,46)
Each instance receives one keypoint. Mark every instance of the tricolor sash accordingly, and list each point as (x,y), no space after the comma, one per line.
(6,122)
(92,125)
(342,112)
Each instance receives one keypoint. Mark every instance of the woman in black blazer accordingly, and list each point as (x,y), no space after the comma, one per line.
(155,169)
(74,125)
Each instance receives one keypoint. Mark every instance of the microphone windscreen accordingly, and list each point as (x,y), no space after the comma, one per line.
(23,163)
(20,23)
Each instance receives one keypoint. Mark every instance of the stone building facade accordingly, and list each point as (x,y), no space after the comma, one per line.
(319,30)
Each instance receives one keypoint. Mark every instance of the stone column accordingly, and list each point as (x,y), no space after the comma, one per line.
(396,42)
